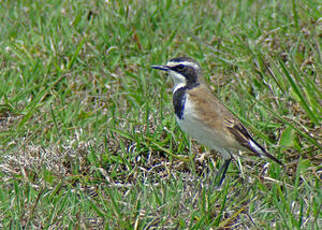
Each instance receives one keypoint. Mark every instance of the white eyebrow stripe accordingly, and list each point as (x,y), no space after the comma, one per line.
(186,63)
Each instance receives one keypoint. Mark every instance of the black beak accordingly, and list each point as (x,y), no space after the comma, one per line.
(161,67)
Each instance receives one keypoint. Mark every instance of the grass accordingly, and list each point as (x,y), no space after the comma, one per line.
(88,139)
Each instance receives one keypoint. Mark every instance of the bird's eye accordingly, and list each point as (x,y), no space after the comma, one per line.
(180,67)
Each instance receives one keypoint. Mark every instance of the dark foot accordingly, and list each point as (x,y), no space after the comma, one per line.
(222,172)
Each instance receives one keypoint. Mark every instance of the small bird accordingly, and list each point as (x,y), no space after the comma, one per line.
(203,117)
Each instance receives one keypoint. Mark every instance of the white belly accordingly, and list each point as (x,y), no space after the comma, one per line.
(191,125)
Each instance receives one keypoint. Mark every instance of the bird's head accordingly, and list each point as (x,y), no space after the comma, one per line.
(183,70)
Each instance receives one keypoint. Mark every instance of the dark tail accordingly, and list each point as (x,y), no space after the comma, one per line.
(257,148)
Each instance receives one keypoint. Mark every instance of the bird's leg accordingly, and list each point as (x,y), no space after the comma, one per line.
(222,171)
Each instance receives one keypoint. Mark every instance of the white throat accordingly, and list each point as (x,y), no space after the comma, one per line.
(179,81)
(178,86)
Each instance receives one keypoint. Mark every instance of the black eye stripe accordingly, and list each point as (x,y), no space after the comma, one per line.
(180,68)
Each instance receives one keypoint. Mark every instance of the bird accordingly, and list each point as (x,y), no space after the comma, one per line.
(204,118)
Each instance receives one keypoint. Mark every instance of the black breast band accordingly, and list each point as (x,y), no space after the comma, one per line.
(179,99)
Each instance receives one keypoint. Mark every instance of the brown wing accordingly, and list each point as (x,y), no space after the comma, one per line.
(242,135)
(246,140)
(216,115)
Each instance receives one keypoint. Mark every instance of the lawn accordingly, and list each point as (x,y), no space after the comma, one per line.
(88,137)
